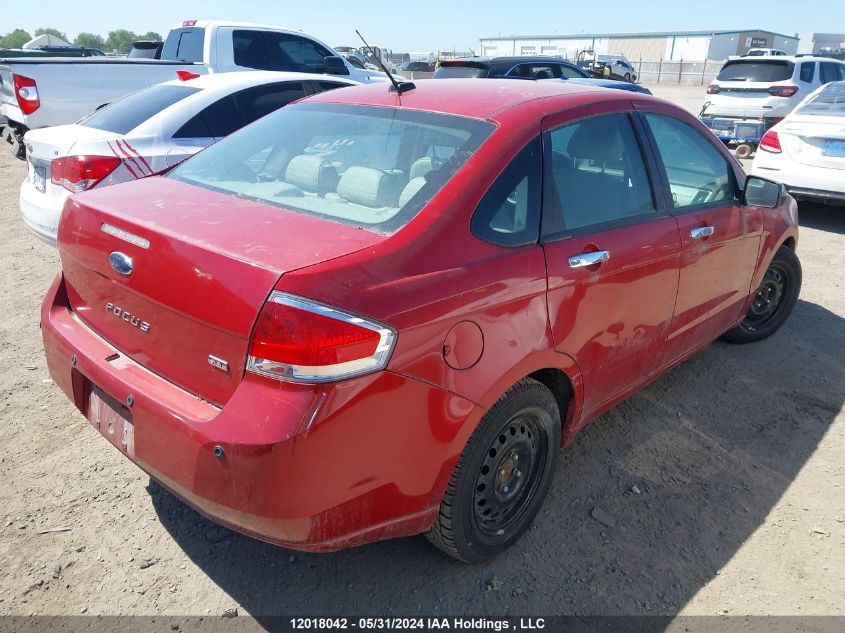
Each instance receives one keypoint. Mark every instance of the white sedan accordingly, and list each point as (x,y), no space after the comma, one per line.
(146,132)
(806,151)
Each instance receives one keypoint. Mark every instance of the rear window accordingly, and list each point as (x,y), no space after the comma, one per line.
(184,45)
(459,72)
(756,70)
(370,167)
(828,102)
(125,114)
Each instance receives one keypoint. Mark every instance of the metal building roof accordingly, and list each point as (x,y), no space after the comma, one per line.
(588,36)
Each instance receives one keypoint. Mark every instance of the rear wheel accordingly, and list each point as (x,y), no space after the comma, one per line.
(501,477)
(774,299)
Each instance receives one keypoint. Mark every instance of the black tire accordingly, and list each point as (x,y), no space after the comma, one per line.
(523,427)
(628,77)
(774,300)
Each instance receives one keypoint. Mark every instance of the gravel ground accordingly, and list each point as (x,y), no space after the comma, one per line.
(722,485)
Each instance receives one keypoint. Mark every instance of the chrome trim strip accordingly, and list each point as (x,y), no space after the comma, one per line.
(126,236)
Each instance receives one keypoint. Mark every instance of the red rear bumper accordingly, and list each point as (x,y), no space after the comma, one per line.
(313,468)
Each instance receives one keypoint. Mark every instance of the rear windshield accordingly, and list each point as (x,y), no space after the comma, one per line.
(368,167)
(459,72)
(828,102)
(125,114)
(184,45)
(756,70)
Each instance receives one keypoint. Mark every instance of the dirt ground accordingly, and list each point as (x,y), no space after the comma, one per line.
(724,482)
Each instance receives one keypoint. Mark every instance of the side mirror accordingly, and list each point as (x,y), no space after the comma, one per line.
(334,65)
(760,192)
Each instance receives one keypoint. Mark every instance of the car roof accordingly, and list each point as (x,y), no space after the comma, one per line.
(227,82)
(505,60)
(462,97)
(783,58)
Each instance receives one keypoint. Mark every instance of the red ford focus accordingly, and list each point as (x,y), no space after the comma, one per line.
(367,316)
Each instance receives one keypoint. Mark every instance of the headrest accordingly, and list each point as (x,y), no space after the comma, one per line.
(421,167)
(369,187)
(311,172)
(596,142)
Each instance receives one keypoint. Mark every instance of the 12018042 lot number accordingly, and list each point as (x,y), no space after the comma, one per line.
(419,623)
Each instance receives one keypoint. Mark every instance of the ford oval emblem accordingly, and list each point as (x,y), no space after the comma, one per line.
(121,263)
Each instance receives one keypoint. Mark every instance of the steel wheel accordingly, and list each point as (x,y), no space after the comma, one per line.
(768,298)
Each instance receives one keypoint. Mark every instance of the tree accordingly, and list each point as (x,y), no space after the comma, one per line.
(120,40)
(90,40)
(15,39)
(151,36)
(49,31)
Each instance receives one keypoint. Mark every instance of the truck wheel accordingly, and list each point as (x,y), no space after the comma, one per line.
(501,477)
(773,301)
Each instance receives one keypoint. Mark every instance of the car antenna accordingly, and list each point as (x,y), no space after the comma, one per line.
(398,86)
(472,51)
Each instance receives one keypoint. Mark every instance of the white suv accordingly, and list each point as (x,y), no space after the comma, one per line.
(765,88)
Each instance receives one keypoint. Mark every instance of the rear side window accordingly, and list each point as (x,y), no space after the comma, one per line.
(289,52)
(509,213)
(250,50)
(536,71)
(808,70)
(597,174)
(459,72)
(756,70)
(184,45)
(219,119)
(828,102)
(124,115)
(697,172)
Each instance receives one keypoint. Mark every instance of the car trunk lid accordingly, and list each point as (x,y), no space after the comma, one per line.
(815,141)
(203,264)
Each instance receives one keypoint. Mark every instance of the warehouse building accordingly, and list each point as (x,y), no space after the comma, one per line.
(669,46)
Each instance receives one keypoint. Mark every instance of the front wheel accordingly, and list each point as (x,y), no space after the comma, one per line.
(501,477)
(774,299)
(628,77)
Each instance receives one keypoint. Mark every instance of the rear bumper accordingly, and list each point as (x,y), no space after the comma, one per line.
(41,212)
(821,195)
(312,468)
(803,182)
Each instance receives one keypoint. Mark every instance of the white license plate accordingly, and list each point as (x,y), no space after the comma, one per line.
(112,420)
(39,178)
(834,148)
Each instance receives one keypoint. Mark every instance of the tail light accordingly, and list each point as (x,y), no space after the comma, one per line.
(712,89)
(304,341)
(78,173)
(26,93)
(770,142)
(783,91)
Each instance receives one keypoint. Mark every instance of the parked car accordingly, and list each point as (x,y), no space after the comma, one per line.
(47,92)
(306,377)
(423,67)
(765,88)
(806,151)
(146,132)
(525,67)
(619,67)
(764,52)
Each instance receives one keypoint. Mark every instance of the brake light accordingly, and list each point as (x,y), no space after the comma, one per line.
(189,23)
(783,91)
(78,173)
(26,93)
(770,142)
(304,341)
(712,89)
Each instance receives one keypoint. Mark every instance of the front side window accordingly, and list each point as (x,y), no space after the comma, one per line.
(289,52)
(536,71)
(370,167)
(509,213)
(596,174)
(697,172)
(572,72)
(124,115)
(829,71)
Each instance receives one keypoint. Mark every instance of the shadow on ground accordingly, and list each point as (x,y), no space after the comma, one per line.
(711,446)
(830,218)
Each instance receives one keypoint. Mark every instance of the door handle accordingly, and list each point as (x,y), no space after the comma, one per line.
(701,232)
(588,259)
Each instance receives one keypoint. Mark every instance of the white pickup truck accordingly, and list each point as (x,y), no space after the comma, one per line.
(37,93)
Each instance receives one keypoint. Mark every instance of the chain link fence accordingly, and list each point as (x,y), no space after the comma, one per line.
(677,73)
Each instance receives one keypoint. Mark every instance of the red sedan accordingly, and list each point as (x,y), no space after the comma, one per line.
(368,315)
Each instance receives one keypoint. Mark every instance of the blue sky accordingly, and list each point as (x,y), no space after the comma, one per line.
(422,25)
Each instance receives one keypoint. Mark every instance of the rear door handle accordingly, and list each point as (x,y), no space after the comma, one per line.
(588,259)
(701,232)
